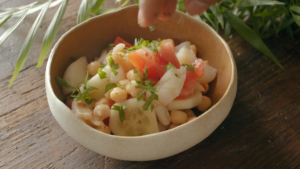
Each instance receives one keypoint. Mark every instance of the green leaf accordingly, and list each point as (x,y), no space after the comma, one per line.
(169,66)
(136,1)
(28,42)
(51,32)
(249,3)
(110,86)
(236,4)
(227,29)
(125,3)
(296,16)
(209,19)
(152,97)
(13,27)
(63,83)
(101,73)
(3,20)
(84,11)
(96,5)
(103,11)
(249,35)
(120,109)
(36,7)
(217,12)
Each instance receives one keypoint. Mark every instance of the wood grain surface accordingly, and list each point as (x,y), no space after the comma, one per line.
(261,131)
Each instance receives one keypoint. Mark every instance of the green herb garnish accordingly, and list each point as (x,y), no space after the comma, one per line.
(113,66)
(141,42)
(101,73)
(80,95)
(121,111)
(152,97)
(110,86)
(189,67)
(135,70)
(102,65)
(152,107)
(146,74)
(169,66)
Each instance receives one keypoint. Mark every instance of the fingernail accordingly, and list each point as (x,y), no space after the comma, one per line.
(195,7)
(141,19)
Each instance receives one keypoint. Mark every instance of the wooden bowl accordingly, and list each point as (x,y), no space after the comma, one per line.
(89,38)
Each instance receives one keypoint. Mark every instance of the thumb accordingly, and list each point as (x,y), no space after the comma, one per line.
(194,7)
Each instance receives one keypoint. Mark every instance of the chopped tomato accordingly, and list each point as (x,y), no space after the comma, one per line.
(154,62)
(106,121)
(166,52)
(199,67)
(112,103)
(120,40)
(142,60)
(188,85)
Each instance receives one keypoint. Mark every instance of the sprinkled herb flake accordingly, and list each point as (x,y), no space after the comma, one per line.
(110,86)
(101,73)
(80,95)
(120,109)
(169,66)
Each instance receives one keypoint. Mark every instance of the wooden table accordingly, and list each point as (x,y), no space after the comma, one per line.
(261,131)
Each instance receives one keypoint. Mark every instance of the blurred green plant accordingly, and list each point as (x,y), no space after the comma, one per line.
(254,20)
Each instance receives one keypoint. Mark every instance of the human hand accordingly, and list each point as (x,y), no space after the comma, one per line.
(151,10)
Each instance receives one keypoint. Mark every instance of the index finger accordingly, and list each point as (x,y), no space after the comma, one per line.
(149,11)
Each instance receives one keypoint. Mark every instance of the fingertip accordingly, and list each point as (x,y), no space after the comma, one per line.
(148,12)
(195,7)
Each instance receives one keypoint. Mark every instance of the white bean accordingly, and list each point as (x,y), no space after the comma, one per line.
(133,76)
(178,117)
(132,90)
(205,104)
(118,94)
(101,112)
(93,67)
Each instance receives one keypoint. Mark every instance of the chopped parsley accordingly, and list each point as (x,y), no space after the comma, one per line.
(110,86)
(102,65)
(169,66)
(120,109)
(113,66)
(138,43)
(146,74)
(189,67)
(149,100)
(101,73)
(80,95)
(176,74)
(148,87)
(152,107)
(152,28)
(135,70)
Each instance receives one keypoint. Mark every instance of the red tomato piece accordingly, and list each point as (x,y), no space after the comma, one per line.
(166,52)
(120,40)
(188,85)
(142,60)
(106,121)
(199,67)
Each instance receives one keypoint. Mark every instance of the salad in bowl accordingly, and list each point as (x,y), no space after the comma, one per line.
(134,90)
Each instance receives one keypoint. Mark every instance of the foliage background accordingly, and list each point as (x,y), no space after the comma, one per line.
(252,19)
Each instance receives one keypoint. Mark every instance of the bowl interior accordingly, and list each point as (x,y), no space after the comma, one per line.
(90,38)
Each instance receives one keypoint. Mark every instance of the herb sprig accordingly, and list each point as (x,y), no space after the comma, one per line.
(120,109)
(148,87)
(138,43)
(76,92)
